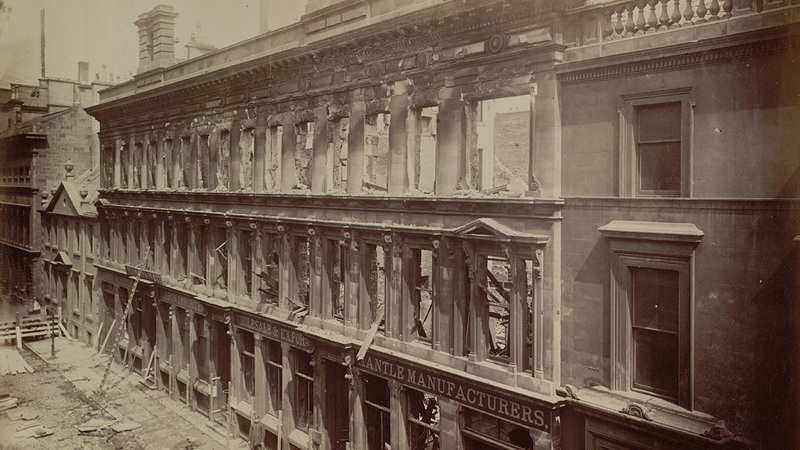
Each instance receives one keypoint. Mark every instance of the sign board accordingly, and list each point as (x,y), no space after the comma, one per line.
(144,274)
(273,330)
(480,397)
(182,301)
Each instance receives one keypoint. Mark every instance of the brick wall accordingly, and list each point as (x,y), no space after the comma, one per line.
(69,136)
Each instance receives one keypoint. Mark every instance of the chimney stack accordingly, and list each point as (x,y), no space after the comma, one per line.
(83,72)
(156,38)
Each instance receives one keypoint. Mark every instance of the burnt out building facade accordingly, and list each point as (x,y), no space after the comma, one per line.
(450,224)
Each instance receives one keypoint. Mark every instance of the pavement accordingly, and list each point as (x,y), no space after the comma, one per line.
(64,392)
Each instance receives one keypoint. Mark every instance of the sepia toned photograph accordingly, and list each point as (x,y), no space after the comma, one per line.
(400,224)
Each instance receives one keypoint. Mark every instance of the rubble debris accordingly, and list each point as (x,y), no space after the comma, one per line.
(125,426)
(94,425)
(9,403)
(11,362)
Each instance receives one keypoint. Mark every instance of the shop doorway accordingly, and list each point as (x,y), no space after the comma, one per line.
(337,406)
(220,370)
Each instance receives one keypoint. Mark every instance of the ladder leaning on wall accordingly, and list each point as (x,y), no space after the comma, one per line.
(124,321)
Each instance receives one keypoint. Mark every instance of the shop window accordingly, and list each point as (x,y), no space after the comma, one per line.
(486,432)
(423,420)
(336,267)
(268,273)
(201,348)
(274,376)
(654,141)
(245,254)
(651,302)
(378,413)
(221,258)
(247,356)
(424,285)
(501,157)
(304,390)
(183,328)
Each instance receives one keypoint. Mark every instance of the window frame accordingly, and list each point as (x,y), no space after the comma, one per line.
(651,245)
(629,176)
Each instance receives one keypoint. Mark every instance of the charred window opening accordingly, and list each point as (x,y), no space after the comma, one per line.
(304,390)
(224,160)
(168,227)
(302,261)
(151,163)
(423,420)
(339,132)
(137,165)
(108,166)
(377,412)
(424,285)
(203,158)
(182,254)
(337,267)
(167,158)
(376,284)
(122,242)
(246,246)
(184,156)
(425,150)
(246,156)
(198,274)
(124,156)
(497,290)
(221,258)
(376,152)
(247,353)
(503,144)
(151,242)
(268,273)
(272,166)
(303,154)
(274,375)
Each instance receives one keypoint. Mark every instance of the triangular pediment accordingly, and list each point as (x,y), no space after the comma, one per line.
(65,201)
(62,257)
(484,227)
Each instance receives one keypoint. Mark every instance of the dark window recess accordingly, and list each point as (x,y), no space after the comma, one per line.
(378,414)
(337,269)
(274,375)
(423,419)
(248,354)
(304,390)
(658,147)
(423,294)
(655,330)
(269,277)
(246,260)
(221,256)
(482,431)
(497,289)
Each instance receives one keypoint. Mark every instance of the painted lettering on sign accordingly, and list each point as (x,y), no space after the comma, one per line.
(508,406)
(182,301)
(145,275)
(273,330)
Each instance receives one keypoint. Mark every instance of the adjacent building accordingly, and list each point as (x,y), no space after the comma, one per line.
(465,224)
(45,131)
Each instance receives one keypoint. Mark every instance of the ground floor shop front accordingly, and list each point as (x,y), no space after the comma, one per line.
(281,384)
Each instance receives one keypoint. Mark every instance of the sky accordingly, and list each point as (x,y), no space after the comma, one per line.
(102,32)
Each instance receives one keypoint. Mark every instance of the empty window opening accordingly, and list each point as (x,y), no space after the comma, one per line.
(376,287)
(151,164)
(423,294)
(337,267)
(302,253)
(528,363)
(496,286)
(503,143)
(198,274)
(304,390)
(246,155)
(425,161)
(137,165)
(337,162)
(224,160)
(166,160)
(182,253)
(272,165)
(423,420)
(108,166)
(268,274)
(246,245)
(248,354)
(377,413)
(151,242)
(376,152)
(168,227)
(221,258)
(303,154)
(202,161)
(274,376)
(184,156)
(482,431)
(123,242)
(124,156)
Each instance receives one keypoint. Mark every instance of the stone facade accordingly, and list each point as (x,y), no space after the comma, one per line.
(466,224)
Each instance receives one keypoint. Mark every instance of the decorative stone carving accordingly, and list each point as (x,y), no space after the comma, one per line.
(537,263)
(637,410)
(496,43)
(718,432)
(572,391)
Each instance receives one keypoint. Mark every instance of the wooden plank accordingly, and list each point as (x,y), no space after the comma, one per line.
(108,335)
(371,335)
(64,330)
